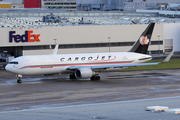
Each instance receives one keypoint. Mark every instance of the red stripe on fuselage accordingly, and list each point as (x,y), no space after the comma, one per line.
(88,64)
(46,66)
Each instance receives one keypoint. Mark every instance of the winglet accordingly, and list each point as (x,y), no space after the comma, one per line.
(55,50)
(168,57)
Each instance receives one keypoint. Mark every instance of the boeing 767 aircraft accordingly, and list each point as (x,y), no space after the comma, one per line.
(81,66)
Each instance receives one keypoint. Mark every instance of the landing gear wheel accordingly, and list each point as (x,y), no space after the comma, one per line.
(19,81)
(98,77)
(93,78)
(72,76)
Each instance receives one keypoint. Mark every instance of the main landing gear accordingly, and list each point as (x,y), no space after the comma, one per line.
(95,77)
(72,76)
(19,78)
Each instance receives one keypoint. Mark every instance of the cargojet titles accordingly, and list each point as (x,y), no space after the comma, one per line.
(90,58)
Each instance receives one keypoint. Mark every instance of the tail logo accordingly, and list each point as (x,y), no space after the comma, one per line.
(144,40)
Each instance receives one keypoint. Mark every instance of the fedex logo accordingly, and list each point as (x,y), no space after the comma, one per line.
(27,37)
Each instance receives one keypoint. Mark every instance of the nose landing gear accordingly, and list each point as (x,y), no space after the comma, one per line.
(19,78)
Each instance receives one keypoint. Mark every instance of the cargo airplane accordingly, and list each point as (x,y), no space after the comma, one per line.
(82,66)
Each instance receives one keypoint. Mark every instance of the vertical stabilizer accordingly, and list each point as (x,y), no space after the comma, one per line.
(55,50)
(142,44)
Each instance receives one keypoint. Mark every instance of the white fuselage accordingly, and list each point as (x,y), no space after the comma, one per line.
(54,64)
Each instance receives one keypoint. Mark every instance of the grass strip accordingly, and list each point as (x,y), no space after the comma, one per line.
(172,64)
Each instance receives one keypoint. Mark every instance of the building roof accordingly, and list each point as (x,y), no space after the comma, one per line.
(77,21)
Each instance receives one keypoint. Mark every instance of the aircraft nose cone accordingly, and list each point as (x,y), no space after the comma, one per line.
(7,68)
(11,68)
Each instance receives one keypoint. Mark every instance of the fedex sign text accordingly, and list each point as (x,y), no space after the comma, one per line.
(27,37)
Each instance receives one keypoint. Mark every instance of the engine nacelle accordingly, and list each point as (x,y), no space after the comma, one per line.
(84,73)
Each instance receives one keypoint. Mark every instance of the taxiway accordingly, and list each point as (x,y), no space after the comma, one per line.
(46,95)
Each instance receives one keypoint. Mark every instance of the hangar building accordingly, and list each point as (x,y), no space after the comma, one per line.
(86,39)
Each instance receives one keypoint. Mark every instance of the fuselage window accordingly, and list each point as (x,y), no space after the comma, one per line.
(13,63)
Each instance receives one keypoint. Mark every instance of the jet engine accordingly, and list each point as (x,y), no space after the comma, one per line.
(82,73)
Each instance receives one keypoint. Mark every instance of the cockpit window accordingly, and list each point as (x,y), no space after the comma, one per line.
(13,63)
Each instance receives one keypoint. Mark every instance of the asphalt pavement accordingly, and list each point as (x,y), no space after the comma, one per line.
(118,96)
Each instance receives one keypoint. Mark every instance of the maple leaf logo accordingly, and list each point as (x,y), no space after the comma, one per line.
(144,40)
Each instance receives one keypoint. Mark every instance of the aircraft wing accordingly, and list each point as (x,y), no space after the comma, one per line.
(122,65)
(98,67)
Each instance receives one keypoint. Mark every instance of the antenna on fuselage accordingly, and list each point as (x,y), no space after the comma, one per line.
(55,50)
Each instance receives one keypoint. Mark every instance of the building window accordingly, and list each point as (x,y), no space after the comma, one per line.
(89,45)
(35,47)
(156,42)
(157,52)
